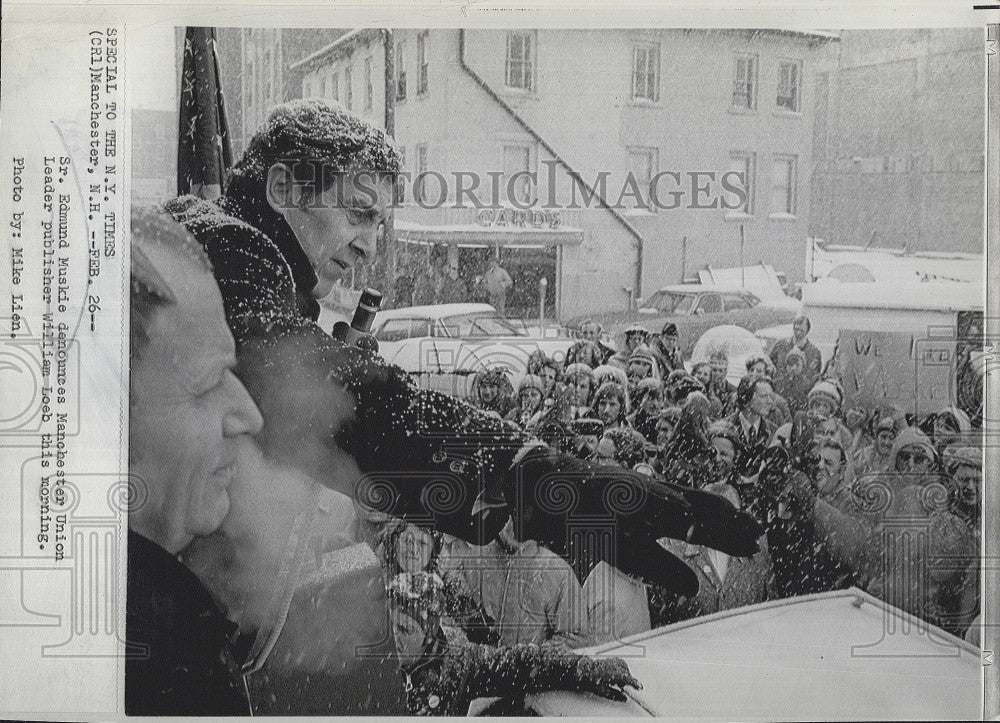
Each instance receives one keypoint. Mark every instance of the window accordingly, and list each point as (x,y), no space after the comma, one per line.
(419,181)
(519,60)
(308,89)
(783,186)
(517,159)
(646,72)
(348,89)
(335,86)
(788,86)
(369,89)
(400,71)
(744,164)
(644,166)
(735,302)
(422,62)
(745,87)
(399,329)
(709,304)
(268,73)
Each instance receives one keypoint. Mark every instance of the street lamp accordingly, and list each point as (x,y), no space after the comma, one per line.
(542,286)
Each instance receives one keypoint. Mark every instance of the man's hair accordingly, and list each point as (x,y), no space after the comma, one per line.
(806,320)
(149,290)
(319,141)
(746,389)
(630,447)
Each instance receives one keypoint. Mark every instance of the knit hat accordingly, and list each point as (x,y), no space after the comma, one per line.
(577,369)
(913,437)
(669,329)
(958,454)
(608,373)
(888,423)
(643,353)
(631,328)
(649,384)
(531,381)
(829,390)
(795,351)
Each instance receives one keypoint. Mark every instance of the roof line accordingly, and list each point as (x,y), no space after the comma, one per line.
(342,40)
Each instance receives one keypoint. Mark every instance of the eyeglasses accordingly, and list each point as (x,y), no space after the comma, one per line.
(906,457)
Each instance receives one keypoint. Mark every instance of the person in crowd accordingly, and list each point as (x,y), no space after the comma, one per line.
(702,371)
(669,417)
(835,478)
(531,595)
(587,433)
(589,350)
(642,364)
(877,457)
(949,425)
(622,446)
(647,399)
(832,431)
(857,421)
(190,418)
(724,582)
(795,380)
(719,388)
(760,367)
(689,457)
(498,284)
(492,391)
(825,399)
(800,339)
(550,374)
(666,348)
(424,287)
(580,379)
(753,403)
(454,289)
(529,409)
(725,441)
(963,465)
(635,335)
(611,403)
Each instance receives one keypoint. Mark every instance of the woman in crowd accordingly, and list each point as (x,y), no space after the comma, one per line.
(611,403)
(725,442)
(949,425)
(760,367)
(580,380)
(642,364)
(647,399)
(492,391)
(529,409)
(877,457)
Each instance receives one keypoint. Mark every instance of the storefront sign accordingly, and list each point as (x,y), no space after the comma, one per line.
(516,217)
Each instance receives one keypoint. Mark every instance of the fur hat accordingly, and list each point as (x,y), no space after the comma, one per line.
(531,381)
(913,437)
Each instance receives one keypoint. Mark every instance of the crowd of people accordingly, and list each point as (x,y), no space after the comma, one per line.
(294,492)
(826,478)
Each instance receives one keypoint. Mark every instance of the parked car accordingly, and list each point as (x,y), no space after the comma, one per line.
(442,346)
(696,308)
(841,655)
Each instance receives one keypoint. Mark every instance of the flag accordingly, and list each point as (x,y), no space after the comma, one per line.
(204,155)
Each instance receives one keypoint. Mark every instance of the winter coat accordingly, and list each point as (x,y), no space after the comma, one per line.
(187,664)
(814,359)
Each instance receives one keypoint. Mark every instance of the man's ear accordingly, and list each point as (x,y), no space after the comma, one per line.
(280,188)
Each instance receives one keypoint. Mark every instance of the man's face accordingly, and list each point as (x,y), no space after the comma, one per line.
(761,401)
(590,332)
(652,402)
(634,339)
(725,455)
(414,549)
(800,328)
(581,390)
(820,408)
(488,392)
(548,375)
(883,441)
(827,431)
(189,413)
(757,371)
(664,432)
(530,398)
(339,230)
(966,479)
(608,410)
(830,464)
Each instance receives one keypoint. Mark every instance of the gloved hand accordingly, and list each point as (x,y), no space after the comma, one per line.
(606,677)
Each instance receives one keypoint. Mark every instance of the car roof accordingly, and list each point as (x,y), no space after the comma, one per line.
(435,311)
(819,657)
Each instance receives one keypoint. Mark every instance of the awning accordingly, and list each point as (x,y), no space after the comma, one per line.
(476,236)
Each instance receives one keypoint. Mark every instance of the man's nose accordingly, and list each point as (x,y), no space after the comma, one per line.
(242,416)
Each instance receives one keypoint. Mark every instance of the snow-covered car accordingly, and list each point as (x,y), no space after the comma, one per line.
(696,308)
(841,655)
(443,346)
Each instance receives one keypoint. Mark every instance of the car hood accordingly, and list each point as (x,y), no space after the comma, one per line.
(833,656)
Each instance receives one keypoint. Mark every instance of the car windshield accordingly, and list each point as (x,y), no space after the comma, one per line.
(672,302)
(483,324)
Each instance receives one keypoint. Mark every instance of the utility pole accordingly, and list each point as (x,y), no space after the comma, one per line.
(389,238)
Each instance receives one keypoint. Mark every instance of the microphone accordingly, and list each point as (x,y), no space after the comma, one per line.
(358,332)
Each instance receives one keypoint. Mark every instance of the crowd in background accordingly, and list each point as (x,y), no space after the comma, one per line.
(827,480)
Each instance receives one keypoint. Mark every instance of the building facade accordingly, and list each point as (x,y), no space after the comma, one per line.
(609,162)
(899,141)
